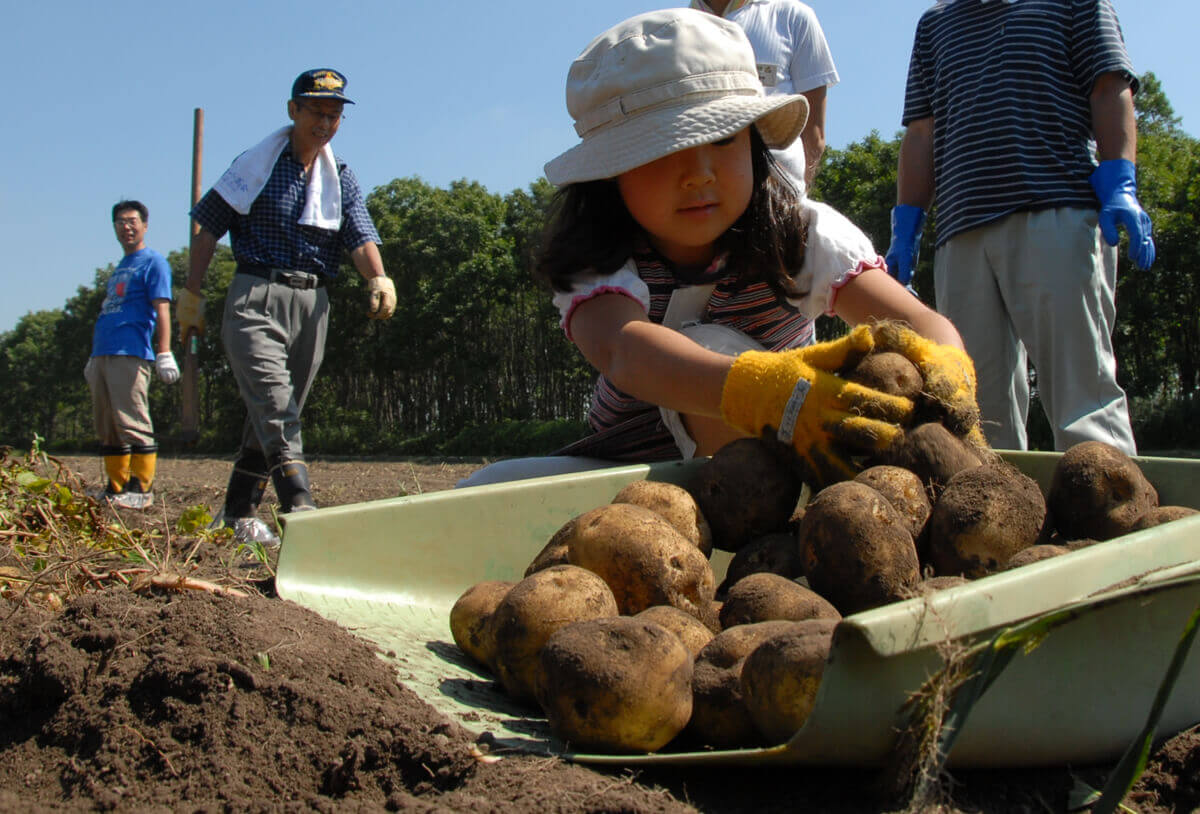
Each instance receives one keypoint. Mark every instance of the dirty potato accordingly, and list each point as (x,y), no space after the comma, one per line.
(532,610)
(856,548)
(984,516)
(1098,491)
(471,616)
(675,504)
(777,553)
(1162,514)
(555,550)
(644,560)
(1035,553)
(691,631)
(764,597)
(719,715)
(745,490)
(905,491)
(933,453)
(781,677)
(889,372)
(619,684)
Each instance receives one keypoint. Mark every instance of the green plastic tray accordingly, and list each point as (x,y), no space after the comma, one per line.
(390,570)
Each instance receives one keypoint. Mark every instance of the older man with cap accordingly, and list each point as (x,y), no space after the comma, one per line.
(291,208)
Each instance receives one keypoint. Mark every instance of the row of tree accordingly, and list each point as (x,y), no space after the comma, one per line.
(474,357)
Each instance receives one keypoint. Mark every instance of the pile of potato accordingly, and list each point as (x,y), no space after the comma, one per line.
(620,635)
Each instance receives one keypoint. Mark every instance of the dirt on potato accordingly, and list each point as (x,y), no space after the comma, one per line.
(166,701)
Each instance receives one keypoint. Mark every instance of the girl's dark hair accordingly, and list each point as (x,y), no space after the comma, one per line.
(591,230)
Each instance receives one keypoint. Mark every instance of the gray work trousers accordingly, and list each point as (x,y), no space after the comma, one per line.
(1039,284)
(274,339)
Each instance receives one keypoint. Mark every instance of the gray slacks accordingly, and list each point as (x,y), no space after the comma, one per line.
(274,338)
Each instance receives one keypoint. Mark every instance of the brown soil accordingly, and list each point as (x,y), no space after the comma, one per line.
(166,701)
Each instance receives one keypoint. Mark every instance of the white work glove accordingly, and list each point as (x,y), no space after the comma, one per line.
(168,371)
(189,312)
(382,293)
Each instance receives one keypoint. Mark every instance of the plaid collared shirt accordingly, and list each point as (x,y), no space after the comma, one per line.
(270,234)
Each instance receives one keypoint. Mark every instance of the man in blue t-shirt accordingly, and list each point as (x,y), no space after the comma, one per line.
(132,333)
(1020,124)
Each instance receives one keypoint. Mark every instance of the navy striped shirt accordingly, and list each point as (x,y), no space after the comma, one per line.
(1007,85)
(270,235)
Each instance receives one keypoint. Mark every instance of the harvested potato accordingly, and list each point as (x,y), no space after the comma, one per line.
(905,491)
(856,548)
(675,504)
(719,715)
(1162,514)
(535,608)
(471,616)
(619,684)
(691,631)
(984,516)
(763,597)
(777,553)
(644,560)
(555,551)
(1098,491)
(1035,553)
(781,677)
(890,372)
(933,453)
(748,488)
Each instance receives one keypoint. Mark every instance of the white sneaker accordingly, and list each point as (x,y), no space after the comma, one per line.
(248,530)
(131,500)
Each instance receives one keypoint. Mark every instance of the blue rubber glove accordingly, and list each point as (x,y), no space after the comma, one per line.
(1116,187)
(907,223)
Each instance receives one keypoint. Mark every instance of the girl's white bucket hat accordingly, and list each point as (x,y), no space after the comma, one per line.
(662,82)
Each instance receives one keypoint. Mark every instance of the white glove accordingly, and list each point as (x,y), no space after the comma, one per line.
(382,297)
(168,371)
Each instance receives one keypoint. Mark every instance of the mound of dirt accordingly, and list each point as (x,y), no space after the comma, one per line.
(160,700)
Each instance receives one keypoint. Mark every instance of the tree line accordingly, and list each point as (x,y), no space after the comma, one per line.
(475,363)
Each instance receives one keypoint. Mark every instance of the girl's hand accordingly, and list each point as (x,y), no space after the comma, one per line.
(949,376)
(825,418)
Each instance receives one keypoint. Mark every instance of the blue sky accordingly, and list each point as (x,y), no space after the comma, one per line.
(100,100)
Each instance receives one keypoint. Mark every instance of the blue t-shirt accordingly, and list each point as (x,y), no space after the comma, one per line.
(127,317)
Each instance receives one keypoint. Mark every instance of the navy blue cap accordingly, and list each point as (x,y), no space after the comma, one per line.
(320,83)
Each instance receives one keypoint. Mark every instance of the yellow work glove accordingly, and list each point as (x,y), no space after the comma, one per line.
(189,312)
(382,293)
(825,418)
(949,376)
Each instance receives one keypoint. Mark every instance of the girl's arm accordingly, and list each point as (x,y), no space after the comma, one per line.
(649,361)
(874,295)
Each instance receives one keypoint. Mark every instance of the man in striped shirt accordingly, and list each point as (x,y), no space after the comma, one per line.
(1019,118)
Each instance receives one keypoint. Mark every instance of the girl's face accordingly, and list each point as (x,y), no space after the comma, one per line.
(686,200)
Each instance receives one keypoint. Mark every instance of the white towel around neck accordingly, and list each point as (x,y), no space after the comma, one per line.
(249,172)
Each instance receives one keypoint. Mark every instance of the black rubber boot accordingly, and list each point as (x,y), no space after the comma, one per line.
(247,484)
(291,486)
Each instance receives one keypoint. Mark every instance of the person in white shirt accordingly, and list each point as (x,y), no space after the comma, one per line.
(792,56)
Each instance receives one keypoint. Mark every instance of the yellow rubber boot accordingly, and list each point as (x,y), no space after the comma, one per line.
(117,467)
(142,466)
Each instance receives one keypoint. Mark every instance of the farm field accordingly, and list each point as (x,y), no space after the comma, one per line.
(122,693)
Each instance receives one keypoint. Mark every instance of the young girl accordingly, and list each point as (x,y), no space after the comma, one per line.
(676,241)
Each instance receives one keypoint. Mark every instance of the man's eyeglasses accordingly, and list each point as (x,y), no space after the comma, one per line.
(332,118)
(127,221)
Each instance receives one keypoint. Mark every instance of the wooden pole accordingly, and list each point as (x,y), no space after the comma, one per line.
(190,411)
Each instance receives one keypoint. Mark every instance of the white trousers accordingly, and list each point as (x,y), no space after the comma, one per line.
(1038,285)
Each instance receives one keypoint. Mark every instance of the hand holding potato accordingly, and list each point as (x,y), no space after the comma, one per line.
(811,408)
(948,372)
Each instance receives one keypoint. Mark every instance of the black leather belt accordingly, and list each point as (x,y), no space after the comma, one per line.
(289,277)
